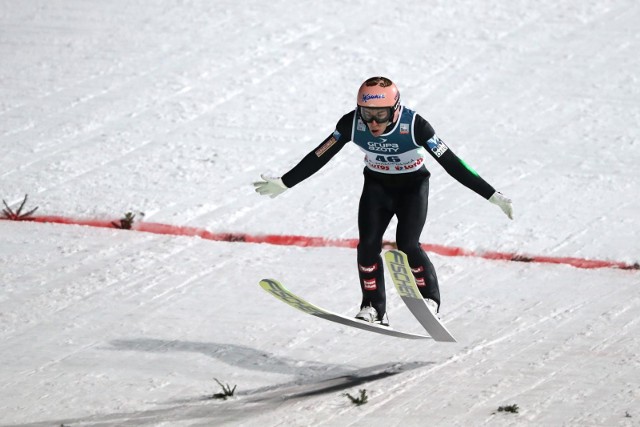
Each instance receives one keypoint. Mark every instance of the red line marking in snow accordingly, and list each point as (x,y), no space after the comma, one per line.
(309,241)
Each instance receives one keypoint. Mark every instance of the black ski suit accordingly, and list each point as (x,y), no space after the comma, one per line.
(396,182)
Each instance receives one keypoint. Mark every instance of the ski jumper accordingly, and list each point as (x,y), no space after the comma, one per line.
(396,182)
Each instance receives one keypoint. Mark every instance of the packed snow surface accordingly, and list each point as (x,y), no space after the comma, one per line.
(173,109)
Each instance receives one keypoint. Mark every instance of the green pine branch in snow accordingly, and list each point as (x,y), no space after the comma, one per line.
(358,400)
(18,215)
(227,391)
(513,409)
(126,222)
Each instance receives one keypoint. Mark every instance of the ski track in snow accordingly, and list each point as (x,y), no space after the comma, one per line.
(174,108)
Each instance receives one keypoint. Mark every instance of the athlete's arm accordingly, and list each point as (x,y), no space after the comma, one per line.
(320,156)
(456,167)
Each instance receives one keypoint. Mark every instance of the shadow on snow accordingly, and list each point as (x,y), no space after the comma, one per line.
(313,379)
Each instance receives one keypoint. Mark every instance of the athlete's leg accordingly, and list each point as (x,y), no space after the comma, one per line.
(412,214)
(374,214)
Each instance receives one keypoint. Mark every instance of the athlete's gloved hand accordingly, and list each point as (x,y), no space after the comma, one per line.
(503,202)
(271,186)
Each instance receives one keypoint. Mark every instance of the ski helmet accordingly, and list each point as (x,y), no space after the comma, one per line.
(379,100)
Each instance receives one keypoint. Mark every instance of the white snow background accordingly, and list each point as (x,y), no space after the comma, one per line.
(173,108)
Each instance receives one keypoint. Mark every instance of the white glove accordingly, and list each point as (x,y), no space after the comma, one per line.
(271,186)
(503,202)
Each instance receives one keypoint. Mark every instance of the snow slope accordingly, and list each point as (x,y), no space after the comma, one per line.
(173,108)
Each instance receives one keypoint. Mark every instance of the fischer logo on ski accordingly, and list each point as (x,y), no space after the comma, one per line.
(282,294)
(405,283)
(401,275)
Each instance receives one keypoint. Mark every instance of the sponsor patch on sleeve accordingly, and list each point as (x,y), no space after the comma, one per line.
(437,146)
(328,144)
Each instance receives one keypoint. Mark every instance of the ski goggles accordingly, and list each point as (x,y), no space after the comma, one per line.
(376,114)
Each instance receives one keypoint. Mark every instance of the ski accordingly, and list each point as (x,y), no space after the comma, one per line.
(276,289)
(405,283)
